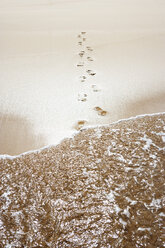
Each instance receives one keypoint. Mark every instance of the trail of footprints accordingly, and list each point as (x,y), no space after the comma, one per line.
(85,57)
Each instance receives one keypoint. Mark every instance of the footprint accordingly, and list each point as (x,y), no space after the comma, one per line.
(91,73)
(89,49)
(80,124)
(103,113)
(80,64)
(95,89)
(83,32)
(97,108)
(81,54)
(100,111)
(82,97)
(89,59)
(79,36)
(83,77)
(80,43)
(84,39)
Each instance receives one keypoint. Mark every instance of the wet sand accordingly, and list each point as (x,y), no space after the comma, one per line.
(17,135)
(60,61)
(102,188)
(148,104)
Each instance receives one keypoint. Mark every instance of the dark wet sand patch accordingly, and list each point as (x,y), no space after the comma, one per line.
(154,103)
(151,104)
(17,135)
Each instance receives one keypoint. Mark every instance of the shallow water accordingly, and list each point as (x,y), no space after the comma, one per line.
(104,186)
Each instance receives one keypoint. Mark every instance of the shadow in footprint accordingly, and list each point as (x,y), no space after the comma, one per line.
(82,97)
(83,78)
(80,124)
(80,64)
(81,54)
(89,49)
(100,111)
(89,59)
(17,135)
(94,88)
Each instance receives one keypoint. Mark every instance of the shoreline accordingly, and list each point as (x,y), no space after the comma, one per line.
(6,156)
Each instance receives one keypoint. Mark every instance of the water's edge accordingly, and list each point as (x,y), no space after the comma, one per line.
(6,156)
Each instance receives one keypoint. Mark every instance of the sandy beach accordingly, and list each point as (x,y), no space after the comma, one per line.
(69,64)
(82,106)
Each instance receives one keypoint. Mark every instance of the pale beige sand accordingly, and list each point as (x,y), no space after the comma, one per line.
(102,188)
(39,53)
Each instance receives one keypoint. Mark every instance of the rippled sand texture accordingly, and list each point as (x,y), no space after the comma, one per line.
(102,188)
(119,47)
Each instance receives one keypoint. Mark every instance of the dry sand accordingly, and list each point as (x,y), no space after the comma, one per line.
(41,83)
(103,188)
